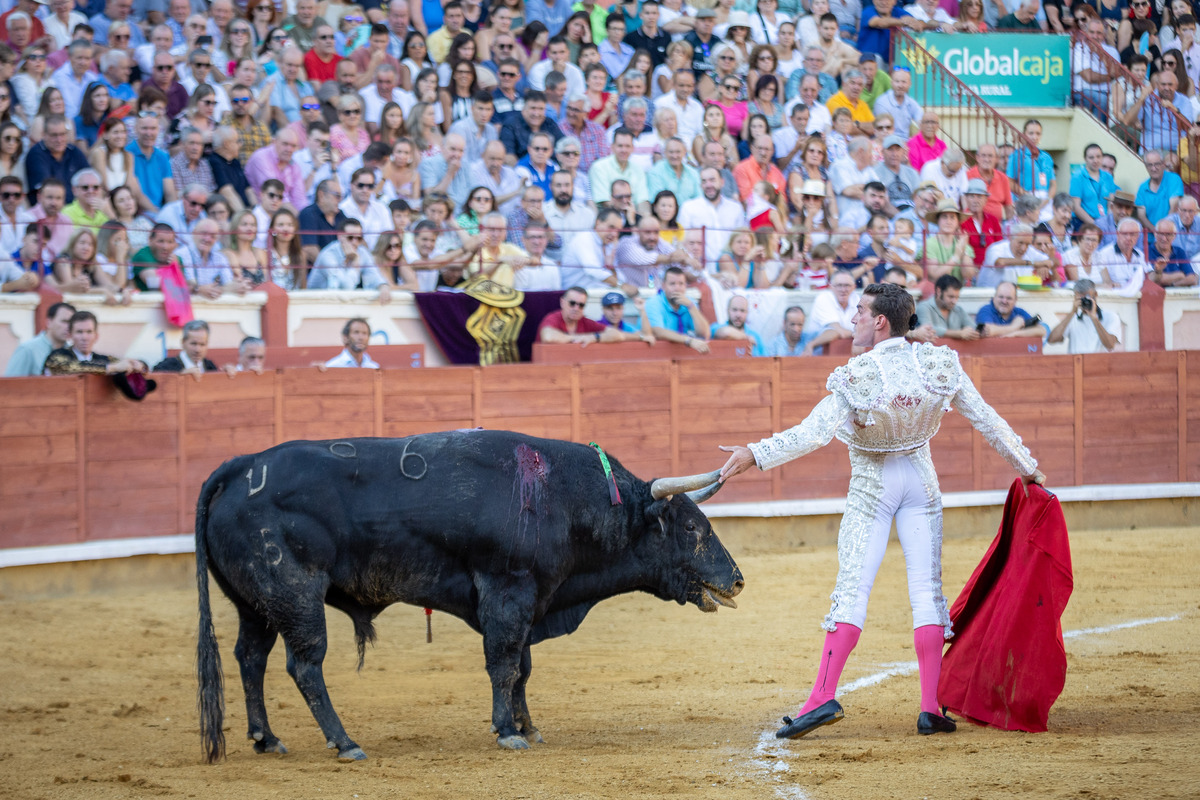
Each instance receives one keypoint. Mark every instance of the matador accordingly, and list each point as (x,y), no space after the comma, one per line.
(886,405)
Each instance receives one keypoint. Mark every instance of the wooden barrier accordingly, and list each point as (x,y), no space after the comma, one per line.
(1011,346)
(83,463)
(635,351)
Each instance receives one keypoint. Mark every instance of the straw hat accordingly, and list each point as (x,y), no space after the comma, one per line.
(945,207)
(813,188)
(738,19)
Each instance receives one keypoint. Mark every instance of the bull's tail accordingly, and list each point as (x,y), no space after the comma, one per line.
(210,698)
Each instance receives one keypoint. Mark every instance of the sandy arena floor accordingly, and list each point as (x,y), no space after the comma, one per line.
(647,700)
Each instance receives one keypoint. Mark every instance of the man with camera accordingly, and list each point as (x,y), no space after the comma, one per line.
(1001,318)
(1088,329)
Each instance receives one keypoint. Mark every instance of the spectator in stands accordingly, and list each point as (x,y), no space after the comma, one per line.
(1022,20)
(591,261)
(252,357)
(982,229)
(158,252)
(479,128)
(832,312)
(758,167)
(1159,195)
(1002,319)
(838,53)
(228,173)
(1123,264)
(205,267)
(81,359)
(925,145)
(566,216)
(714,212)
(851,175)
(184,214)
(794,339)
(875,28)
(874,202)
(931,16)
(947,251)
(30,356)
(536,168)
(618,166)
(277,161)
(999,202)
(1015,257)
(948,174)
(51,200)
(824,84)
(1031,169)
(517,128)
(568,325)
(1087,329)
(641,258)
(737,311)
(88,208)
(347,264)
(1089,67)
(540,272)
(899,179)
(1186,224)
(1154,113)
(1120,206)
(54,157)
(689,113)
(1091,186)
(905,111)
(1079,261)
(445,172)
(356,335)
(674,316)
(850,98)
(673,174)
(151,165)
(192,358)
(1169,265)
(942,313)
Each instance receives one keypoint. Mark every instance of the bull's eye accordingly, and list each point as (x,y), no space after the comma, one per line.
(690,527)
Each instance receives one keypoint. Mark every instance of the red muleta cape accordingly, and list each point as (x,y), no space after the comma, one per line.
(1007,664)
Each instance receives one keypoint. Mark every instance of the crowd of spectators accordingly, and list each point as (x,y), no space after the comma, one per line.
(412,146)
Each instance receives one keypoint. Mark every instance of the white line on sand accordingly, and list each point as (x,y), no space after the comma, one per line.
(768,757)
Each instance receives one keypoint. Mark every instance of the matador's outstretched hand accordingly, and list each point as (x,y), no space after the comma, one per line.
(740,461)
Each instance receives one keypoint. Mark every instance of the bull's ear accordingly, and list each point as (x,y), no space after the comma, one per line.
(656,510)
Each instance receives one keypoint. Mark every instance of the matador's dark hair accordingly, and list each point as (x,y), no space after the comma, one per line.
(893,302)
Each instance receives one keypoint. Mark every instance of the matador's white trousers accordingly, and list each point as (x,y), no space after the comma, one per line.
(884,486)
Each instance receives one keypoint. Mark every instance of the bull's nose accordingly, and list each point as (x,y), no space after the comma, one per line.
(738,585)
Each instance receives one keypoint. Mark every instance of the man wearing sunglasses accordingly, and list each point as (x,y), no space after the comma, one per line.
(184,214)
(361,204)
(568,325)
(254,134)
(114,11)
(347,264)
(87,210)
(200,66)
(320,63)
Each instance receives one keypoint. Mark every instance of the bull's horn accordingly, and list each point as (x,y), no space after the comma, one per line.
(665,487)
(700,495)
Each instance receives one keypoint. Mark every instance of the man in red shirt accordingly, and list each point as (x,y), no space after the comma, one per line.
(982,228)
(569,325)
(999,202)
(321,62)
(758,167)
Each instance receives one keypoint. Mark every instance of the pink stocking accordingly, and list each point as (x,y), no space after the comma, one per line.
(929,641)
(838,645)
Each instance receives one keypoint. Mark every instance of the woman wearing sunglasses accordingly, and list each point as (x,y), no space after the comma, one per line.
(29,83)
(12,151)
(389,259)
(263,18)
(348,136)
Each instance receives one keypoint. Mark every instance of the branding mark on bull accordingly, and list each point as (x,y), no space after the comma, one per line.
(250,480)
(404,454)
(343,450)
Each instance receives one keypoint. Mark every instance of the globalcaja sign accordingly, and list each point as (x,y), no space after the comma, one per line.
(1005,69)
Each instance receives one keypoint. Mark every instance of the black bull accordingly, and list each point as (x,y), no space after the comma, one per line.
(515,535)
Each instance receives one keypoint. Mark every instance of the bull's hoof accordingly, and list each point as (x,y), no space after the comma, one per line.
(270,746)
(351,754)
(514,742)
(533,736)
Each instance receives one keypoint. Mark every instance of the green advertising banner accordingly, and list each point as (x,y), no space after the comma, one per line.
(1005,69)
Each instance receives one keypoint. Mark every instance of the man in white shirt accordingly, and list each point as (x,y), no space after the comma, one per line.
(477,129)
(347,263)
(360,204)
(789,139)
(689,114)
(904,110)
(1088,328)
(1012,258)
(1123,261)
(832,313)
(718,215)
(1089,70)
(355,336)
(932,15)
(558,59)
(314,159)
(591,261)
(384,90)
(566,217)
(947,173)
(820,120)
(542,273)
(13,218)
(850,175)
(499,178)
(73,77)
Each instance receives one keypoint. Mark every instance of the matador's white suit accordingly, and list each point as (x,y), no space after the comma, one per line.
(886,405)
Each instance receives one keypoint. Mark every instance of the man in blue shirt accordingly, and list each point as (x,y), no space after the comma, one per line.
(792,340)
(151,165)
(1002,319)
(614,53)
(674,317)
(735,329)
(54,157)
(1170,265)
(875,27)
(1158,196)
(1091,185)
